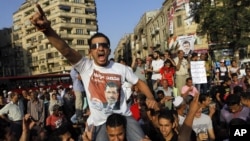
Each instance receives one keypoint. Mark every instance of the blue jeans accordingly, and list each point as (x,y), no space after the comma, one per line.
(133,131)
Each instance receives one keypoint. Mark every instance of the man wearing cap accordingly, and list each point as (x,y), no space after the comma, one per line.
(180,106)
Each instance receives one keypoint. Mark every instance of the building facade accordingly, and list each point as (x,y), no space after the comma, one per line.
(8,54)
(74,20)
(163,28)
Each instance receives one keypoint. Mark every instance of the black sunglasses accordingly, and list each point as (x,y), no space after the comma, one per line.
(97,45)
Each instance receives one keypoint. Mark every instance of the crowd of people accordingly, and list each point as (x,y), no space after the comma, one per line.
(153,99)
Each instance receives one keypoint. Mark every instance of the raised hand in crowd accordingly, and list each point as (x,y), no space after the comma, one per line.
(88,133)
(27,125)
(186,128)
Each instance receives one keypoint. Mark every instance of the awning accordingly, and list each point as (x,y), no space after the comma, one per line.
(91,10)
(201,51)
(64,7)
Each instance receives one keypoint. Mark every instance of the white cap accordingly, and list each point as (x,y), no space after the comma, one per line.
(222,60)
(177,101)
(70,86)
(9,92)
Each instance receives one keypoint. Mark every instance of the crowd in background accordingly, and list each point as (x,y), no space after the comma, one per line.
(121,107)
(224,100)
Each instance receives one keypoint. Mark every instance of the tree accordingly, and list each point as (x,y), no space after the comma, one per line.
(226,22)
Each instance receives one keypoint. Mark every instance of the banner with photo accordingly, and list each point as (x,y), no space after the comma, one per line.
(186,43)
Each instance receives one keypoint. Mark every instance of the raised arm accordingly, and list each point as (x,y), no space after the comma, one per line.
(40,21)
(186,128)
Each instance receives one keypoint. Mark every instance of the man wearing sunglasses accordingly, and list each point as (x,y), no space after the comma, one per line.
(95,73)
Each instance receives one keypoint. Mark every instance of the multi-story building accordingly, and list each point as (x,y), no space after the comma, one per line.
(142,38)
(137,43)
(119,50)
(74,20)
(160,29)
(8,54)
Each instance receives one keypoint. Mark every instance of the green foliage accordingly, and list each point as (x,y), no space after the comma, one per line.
(224,21)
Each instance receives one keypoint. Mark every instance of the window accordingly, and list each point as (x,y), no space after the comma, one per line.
(66,20)
(179,21)
(198,40)
(41,47)
(80,42)
(56,54)
(53,21)
(79,31)
(78,20)
(82,52)
(77,1)
(40,37)
(50,55)
(77,10)
(69,42)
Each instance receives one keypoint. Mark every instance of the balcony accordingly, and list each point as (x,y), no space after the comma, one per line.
(157,29)
(145,46)
(59,68)
(90,11)
(34,63)
(157,44)
(153,33)
(64,7)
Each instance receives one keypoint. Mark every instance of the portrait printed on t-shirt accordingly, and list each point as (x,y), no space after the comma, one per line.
(105,91)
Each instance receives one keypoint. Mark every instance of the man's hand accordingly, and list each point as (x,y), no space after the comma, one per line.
(39,20)
(87,135)
(146,138)
(165,99)
(28,124)
(152,104)
(195,104)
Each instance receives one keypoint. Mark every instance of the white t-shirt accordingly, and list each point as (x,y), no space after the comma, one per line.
(157,65)
(183,67)
(95,79)
(204,122)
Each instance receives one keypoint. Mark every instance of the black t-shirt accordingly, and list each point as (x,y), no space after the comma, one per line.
(175,137)
(223,90)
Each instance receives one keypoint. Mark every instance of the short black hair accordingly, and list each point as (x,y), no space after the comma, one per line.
(115,120)
(122,60)
(189,78)
(226,79)
(234,74)
(160,92)
(186,42)
(233,99)
(245,95)
(237,121)
(96,35)
(203,97)
(158,52)
(166,114)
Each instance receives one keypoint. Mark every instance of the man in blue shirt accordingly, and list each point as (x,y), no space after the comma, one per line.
(78,91)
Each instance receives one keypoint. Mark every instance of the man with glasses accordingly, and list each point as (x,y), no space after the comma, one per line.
(95,73)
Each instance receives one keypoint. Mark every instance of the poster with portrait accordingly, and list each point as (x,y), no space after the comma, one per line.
(186,43)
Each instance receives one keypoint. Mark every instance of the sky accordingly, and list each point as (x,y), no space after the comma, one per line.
(116,18)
